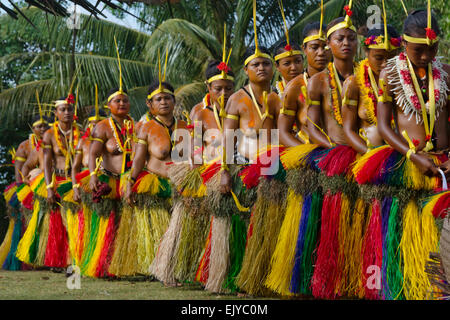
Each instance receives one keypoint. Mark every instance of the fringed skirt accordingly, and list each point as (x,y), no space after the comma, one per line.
(399,235)
(224,247)
(142,226)
(44,242)
(94,237)
(190,190)
(290,268)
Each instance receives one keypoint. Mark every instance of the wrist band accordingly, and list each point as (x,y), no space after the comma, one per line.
(76,186)
(92,173)
(408,154)
(47,146)
(231,116)
(51,185)
(224,166)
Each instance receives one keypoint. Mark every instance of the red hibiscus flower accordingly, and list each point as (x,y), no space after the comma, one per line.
(430,34)
(380,92)
(348,11)
(396,41)
(223,67)
(415,142)
(428,137)
(86,133)
(288,47)
(123,131)
(190,126)
(75,117)
(70,99)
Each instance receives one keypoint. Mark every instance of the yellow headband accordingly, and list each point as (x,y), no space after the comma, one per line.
(116,94)
(223,66)
(383,42)
(346,24)
(320,35)
(430,37)
(36,123)
(257,54)
(161,78)
(289,52)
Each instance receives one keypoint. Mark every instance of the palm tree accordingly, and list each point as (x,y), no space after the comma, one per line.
(49,50)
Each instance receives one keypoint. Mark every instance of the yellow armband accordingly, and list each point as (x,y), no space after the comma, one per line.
(20,159)
(349,102)
(76,186)
(97,139)
(47,146)
(412,147)
(231,116)
(141,141)
(314,102)
(288,112)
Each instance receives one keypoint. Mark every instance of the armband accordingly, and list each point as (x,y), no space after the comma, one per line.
(97,139)
(288,112)
(20,159)
(231,116)
(76,186)
(314,102)
(349,102)
(141,141)
(47,146)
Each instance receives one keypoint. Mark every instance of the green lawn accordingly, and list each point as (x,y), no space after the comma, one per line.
(44,285)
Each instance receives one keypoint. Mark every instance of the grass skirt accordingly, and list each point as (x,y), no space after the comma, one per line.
(44,242)
(399,233)
(97,226)
(142,226)
(301,180)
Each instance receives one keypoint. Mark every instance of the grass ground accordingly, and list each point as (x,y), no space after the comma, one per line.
(47,285)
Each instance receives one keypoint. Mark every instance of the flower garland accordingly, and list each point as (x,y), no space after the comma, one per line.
(368,96)
(35,143)
(400,78)
(206,101)
(335,100)
(73,141)
(127,132)
(280,85)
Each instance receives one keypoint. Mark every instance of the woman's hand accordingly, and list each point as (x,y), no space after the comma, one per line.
(94,183)
(425,164)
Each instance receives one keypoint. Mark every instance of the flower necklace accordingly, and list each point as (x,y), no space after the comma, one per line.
(123,139)
(69,150)
(368,89)
(280,85)
(35,143)
(408,93)
(335,85)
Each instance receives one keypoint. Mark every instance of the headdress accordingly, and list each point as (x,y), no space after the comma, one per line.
(96,117)
(431,37)
(70,97)
(161,78)
(320,35)
(120,91)
(346,24)
(41,117)
(289,52)
(383,42)
(257,53)
(223,66)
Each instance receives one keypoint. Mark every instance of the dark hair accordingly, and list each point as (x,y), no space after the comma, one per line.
(114,90)
(37,117)
(211,69)
(416,22)
(155,85)
(313,26)
(280,47)
(101,112)
(251,50)
(379,31)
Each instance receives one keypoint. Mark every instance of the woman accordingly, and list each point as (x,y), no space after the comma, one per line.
(148,188)
(20,215)
(45,240)
(289,63)
(413,92)
(109,158)
(207,119)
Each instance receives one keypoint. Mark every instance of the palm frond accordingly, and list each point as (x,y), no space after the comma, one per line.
(188,96)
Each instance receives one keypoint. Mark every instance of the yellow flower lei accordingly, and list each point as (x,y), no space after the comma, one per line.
(366,90)
(334,95)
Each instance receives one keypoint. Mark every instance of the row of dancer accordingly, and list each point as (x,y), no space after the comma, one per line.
(335,209)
